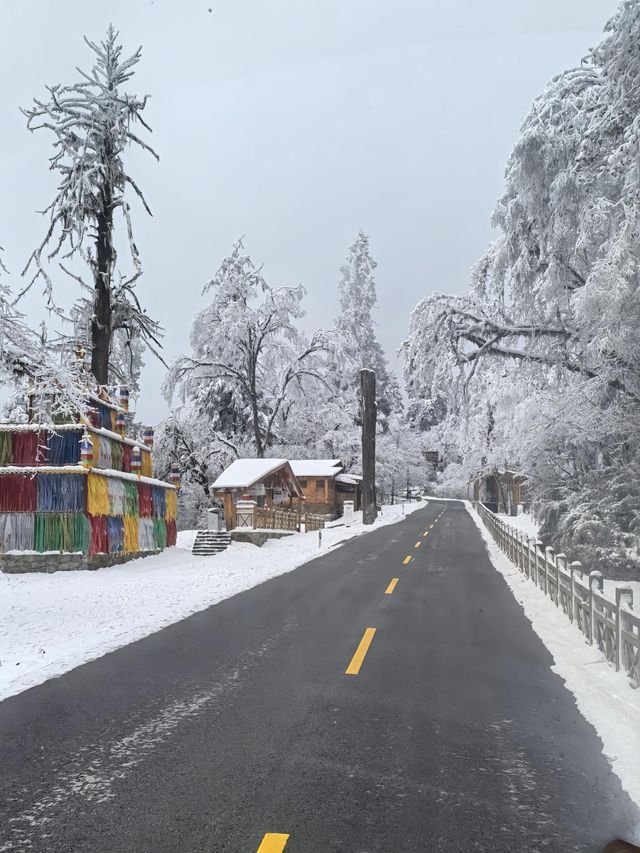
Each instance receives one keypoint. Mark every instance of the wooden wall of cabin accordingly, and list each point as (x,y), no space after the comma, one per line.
(319,494)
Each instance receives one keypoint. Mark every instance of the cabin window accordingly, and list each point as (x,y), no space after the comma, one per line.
(320,485)
(303,483)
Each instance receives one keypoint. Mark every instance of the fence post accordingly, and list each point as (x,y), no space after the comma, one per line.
(537,550)
(529,567)
(559,558)
(521,552)
(320,538)
(576,566)
(624,597)
(548,563)
(595,577)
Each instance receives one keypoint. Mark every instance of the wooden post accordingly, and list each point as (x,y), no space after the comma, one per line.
(369,417)
(624,597)
(576,566)
(595,580)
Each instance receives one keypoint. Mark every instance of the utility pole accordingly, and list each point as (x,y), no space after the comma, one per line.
(369,418)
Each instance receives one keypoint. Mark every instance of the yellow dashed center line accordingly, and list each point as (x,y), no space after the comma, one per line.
(361,651)
(407,560)
(425,534)
(273,842)
(418,544)
(391,586)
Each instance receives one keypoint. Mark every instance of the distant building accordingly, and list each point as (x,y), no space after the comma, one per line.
(325,485)
(501,491)
(317,486)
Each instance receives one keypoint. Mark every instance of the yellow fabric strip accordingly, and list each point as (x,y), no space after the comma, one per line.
(130,533)
(147,464)
(98,495)
(171,511)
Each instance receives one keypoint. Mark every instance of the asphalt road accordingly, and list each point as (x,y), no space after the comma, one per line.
(240,721)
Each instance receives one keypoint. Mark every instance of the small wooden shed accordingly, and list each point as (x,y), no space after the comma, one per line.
(317,478)
(326,486)
(501,491)
(270,482)
(348,488)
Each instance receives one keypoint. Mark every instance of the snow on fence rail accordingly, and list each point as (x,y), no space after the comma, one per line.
(610,625)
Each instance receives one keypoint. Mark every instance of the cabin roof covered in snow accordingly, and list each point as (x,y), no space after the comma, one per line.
(244,473)
(349,479)
(316,467)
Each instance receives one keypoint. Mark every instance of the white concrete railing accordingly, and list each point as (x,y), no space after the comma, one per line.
(611,625)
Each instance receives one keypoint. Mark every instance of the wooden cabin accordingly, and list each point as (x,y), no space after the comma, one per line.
(317,478)
(270,482)
(502,491)
(348,488)
(326,486)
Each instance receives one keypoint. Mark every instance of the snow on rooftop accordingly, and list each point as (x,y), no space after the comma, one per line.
(246,472)
(351,479)
(316,467)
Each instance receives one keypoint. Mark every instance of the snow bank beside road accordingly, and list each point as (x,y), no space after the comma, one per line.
(50,624)
(524,522)
(603,696)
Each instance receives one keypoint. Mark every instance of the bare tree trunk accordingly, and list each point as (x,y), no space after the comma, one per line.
(101,322)
(369,417)
(256,420)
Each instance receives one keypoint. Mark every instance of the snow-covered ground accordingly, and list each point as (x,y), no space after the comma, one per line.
(50,624)
(524,522)
(602,695)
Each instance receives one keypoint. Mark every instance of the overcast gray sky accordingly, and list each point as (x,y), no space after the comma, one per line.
(295,123)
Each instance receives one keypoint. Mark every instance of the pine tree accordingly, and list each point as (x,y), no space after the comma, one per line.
(358,298)
(91,122)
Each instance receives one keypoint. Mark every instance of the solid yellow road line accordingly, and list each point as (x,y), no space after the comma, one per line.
(361,651)
(273,842)
(418,544)
(391,586)
(407,560)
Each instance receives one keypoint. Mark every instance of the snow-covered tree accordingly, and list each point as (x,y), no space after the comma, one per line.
(400,459)
(549,333)
(358,299)
(191,440)
(27,364)
(92,124)
(249,363)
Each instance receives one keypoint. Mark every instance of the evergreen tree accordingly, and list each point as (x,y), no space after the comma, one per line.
(358,298)
(92,125)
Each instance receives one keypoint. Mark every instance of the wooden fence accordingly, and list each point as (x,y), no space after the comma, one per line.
(610,625)
(313,521)
(281,519)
